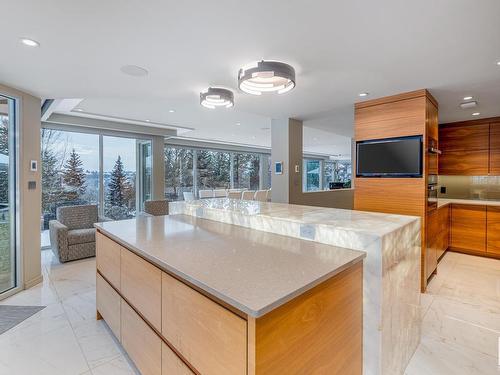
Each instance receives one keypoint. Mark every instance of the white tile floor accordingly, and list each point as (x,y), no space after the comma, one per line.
(460,329)
(65,337)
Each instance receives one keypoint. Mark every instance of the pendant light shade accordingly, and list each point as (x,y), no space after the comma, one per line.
(215,97)
(266,76)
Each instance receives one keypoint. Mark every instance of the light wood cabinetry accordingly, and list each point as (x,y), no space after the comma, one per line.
(495,148)
(493,231)
(464,136)
(171,364)
(108,304)
(432,242)
(468,227)
(444,230)
(209,336)
(108,259)
(141,286)
(142,344)
(318,332)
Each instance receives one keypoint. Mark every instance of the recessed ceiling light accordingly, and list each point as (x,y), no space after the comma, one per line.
(238,123)
(79,109)
(148,120)
(363,94)
(476,114)
(467,97)
(134,70)
(266,76)
(498,62)
(30,42)
(171,110)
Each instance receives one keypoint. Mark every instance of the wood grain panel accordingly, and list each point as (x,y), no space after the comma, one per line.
(495,135)
(432,240)
(389,120)
(108,259)
(494,169)
(493,233)
(444,230)
(464,137)
(468,227)
(108,305)
(405,196)
(141,286)
(171,364)
(320,332)
(464,163)
(209,337)
(142,344)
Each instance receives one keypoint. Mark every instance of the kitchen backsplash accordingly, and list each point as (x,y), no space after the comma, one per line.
(470,187)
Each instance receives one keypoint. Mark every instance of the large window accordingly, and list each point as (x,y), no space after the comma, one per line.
(8,261)
(70,171)
(312,175)
(178,172)
(246,171)
(319,173)
(213,169)
(191,170)
(119,167)
(73,173)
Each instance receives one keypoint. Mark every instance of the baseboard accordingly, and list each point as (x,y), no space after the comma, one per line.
(483,254)
(33,282)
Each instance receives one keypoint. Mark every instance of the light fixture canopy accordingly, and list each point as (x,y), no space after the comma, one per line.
(266,76)
(215,97)
(363,94)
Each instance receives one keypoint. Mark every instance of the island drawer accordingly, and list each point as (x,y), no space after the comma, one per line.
(210,337)
(141,343)
(108,304)
(108,259)
(141,286)
(171,364)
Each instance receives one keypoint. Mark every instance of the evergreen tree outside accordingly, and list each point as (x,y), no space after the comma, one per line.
(74,177)
(120,190)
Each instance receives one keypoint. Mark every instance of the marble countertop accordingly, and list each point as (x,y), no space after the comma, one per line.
(484,202)
(253,271)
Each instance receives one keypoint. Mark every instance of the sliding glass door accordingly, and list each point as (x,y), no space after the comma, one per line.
(8,265)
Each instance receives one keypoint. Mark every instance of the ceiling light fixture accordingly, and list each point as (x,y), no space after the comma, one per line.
(498,63)
(266,76)
(171,111)
(467,97)
(30,42)
(79,110)
(476,114)
(363,94)
(238,123)
(215,97)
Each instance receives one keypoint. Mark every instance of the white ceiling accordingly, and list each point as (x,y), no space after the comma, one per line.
(339,49)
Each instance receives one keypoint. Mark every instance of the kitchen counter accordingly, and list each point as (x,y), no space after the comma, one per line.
(391,277)
(484,202)
(254,272)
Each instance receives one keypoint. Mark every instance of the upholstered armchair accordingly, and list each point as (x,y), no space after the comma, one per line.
(72,234)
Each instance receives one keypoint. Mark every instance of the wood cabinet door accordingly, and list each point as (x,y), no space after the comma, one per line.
(464,137)
(493,235)
(108,304)
(432,242)
(171,364)
(464,162)
(468,227)
(141,343)
(444,230)
(108,259)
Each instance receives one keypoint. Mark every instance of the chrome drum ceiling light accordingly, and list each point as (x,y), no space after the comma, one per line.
(217,97)
(266,76)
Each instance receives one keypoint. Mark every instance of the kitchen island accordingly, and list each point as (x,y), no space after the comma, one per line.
(391,276)
(186,295)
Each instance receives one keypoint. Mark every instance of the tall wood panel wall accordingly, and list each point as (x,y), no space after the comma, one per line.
(412,113)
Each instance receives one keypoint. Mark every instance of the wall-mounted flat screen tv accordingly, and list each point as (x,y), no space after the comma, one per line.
(391,157)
